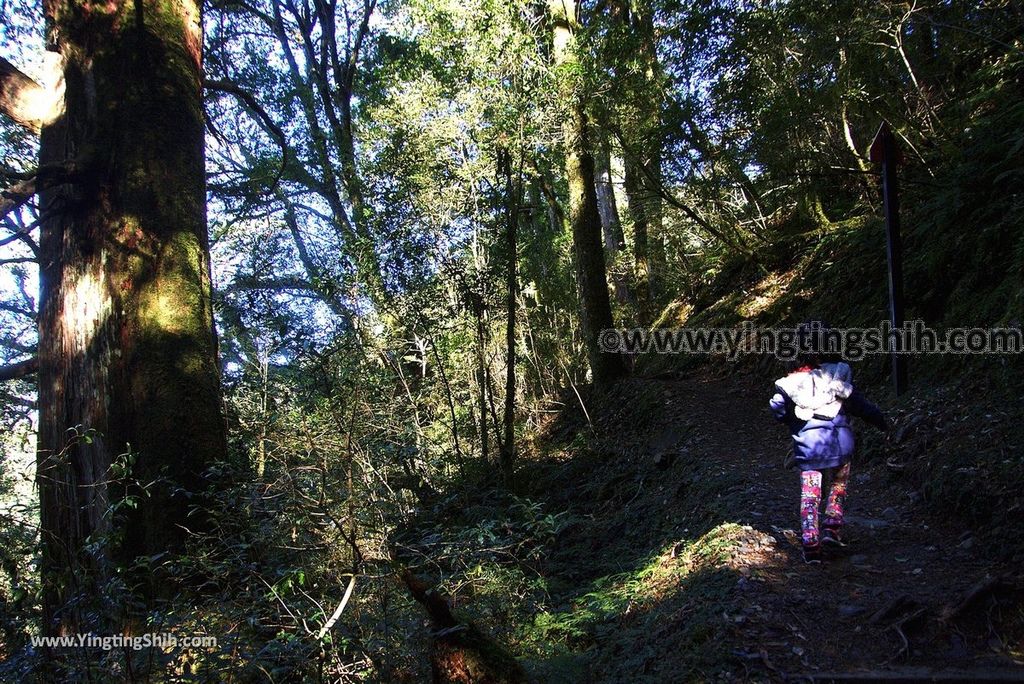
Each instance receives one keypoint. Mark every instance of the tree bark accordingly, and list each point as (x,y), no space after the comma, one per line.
(611,225)
(512,202)
(127,350)
(460,652)
(636,202)
(584,215)
(640,124)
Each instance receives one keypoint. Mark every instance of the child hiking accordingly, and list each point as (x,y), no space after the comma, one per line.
(815,401)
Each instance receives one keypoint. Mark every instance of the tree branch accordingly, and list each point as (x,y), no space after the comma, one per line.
(11,174)
(14,345)
(283,283)
(11,399)
(22,233)
(46,177)
(11,308)
(19,369)
(15,196)
(250,103)
(659,188)
(337,611)
(26,102)
(353,56)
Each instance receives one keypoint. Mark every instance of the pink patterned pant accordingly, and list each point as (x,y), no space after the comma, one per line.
(810,501)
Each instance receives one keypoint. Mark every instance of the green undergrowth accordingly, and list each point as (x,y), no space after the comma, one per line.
(615,626)
(606,567)
(612,624)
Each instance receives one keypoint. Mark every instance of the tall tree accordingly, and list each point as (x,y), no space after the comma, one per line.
(513,198)
(637,73)
(584,215)
(302,102)
(128,379)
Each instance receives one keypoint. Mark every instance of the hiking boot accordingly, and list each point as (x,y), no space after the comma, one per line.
(832,536)
(812,554)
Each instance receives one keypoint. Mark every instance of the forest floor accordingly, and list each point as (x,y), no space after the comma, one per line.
(675,556)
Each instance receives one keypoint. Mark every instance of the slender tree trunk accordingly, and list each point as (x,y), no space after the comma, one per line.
(127,351)
(611,225)
(481,382)
(584,216)
(512,202)
(451,407)
(651,138)
(635,200)
(641,124)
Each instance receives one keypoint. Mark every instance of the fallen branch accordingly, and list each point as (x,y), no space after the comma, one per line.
(339,610)
(979,590)
(460,652)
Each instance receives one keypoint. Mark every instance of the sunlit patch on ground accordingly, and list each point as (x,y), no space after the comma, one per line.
(767,292)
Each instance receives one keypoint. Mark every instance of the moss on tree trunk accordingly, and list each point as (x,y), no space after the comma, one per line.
(127,346)
(584,215)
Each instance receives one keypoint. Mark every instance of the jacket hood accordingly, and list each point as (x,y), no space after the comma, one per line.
(819,391)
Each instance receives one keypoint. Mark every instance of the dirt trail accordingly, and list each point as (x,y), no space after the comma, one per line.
(876,603)
(881,605)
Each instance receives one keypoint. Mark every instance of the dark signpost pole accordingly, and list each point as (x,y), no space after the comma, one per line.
(885,151)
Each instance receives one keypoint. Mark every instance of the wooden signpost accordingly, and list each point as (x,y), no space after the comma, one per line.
(884,151)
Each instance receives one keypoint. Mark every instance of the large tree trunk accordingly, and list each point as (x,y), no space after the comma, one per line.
(584,216)
(127,351)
